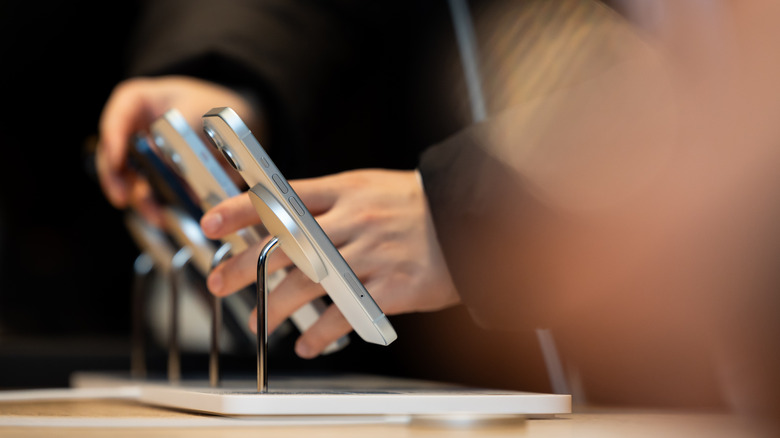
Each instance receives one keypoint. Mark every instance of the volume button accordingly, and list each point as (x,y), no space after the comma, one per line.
(279,183)
(296,206)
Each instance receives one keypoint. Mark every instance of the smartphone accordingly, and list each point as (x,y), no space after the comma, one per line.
(161,247)
(167,187)
(151,240)
(186,232)
(192,160)
(301,238)
(181,215)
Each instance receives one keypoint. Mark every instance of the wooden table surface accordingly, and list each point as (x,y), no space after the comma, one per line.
(124,418)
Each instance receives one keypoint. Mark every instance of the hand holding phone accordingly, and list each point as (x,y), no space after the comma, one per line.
(301,237)
(210,183)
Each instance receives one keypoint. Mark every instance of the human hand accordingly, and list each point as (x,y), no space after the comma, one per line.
(132,107)
(380,222)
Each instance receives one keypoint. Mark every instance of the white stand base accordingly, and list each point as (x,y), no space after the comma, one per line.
(335,396)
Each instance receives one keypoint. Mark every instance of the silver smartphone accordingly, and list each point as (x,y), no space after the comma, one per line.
(150,240)
(161,248)
(204,174)
(301,238)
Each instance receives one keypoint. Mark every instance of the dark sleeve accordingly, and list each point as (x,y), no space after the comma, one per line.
(492,229)
(523,203)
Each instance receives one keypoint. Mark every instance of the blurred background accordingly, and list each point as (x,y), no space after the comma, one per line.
(65,260)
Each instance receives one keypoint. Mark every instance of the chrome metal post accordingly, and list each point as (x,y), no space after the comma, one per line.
(143,267)
(178,263)
(262,315)
(216,320)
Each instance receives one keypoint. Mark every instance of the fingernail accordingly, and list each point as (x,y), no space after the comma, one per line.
(210,223)
(215,283)
(304,350)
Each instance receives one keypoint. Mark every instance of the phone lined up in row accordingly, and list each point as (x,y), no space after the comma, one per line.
(283,215)
(209,182)
(180,228)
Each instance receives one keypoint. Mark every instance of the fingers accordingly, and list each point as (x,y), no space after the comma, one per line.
(294,292)
(316,193)
(240,270)
(125,188)
(329,327)
(124,114)
(238,212)
(114,183)
(229,216)
(336,227)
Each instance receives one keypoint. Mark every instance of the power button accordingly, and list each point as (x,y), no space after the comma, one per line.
(296,206)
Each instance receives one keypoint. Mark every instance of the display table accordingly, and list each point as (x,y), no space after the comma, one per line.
(125,418)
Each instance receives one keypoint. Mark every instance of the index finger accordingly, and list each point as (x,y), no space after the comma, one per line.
(229,216)
(317,194)
(237,212)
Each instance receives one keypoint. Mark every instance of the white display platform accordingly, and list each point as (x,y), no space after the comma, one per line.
(335,396)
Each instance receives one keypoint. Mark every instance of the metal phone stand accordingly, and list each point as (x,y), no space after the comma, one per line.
(262,315)
(347,396)
(277,219)
(216,320)
(143,268)
(179,262)
(285,233)
(178,265)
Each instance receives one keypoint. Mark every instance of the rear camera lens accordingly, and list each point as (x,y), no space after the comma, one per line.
(215,138)
(229,157)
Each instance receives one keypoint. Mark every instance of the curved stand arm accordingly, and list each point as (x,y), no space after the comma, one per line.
(262,316)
